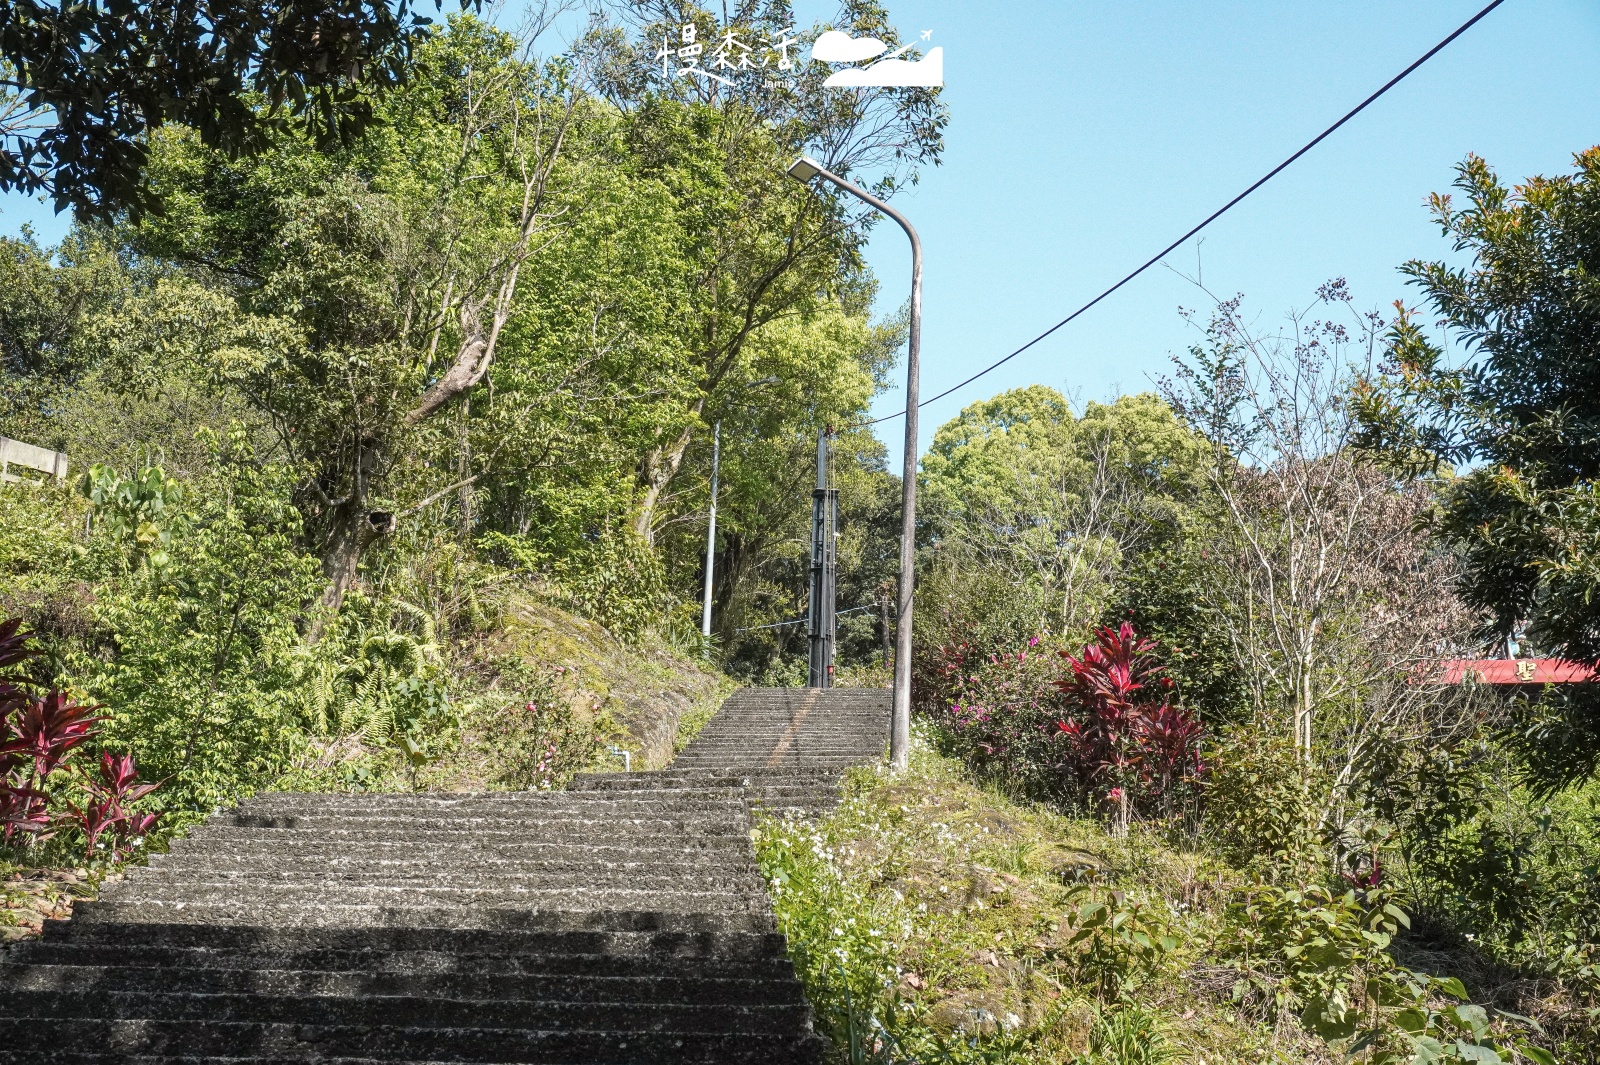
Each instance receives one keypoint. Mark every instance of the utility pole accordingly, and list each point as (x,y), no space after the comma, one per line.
(711,527)
(824,547)
(805,169)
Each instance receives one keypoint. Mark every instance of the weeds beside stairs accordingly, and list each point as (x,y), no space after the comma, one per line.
(621,921)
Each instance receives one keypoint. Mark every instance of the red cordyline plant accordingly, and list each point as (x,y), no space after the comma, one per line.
(106,814)
(37,734)
(1125,738)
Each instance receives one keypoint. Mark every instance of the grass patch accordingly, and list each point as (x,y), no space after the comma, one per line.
(934,920)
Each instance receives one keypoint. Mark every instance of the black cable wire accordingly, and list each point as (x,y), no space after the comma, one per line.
(1158,256)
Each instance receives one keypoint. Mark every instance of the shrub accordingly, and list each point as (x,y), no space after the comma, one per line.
(197,634)
(39,734)
(1324,958)
(1260,811)
(1099,728)
(1146,750)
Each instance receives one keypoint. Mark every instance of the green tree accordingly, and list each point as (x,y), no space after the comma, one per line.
(1052,505)
(48,298)
(1518,414)
(359,300)
(759,247)
(83,84)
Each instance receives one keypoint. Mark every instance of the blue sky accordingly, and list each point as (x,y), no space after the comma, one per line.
(1086,136)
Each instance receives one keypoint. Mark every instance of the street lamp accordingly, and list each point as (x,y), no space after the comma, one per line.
(806,170)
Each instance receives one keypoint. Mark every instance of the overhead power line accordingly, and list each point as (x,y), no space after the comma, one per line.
(1218,213)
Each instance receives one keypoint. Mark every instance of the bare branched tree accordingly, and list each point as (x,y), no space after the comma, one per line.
(1332,597)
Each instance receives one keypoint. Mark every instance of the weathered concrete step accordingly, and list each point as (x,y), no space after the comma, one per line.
(547,803)
(630,955)
(470,884)
(534,936)
(819,744)
(775,758)
(645,810)
(792,758)
(700,989)
(529,825)
(565,831)
(800,719)
(410,905)
(734,789)
(383,1010)
(673,778)
(302,914)
(344,862)
(202,1039)
(338,866)
(402,856)
(239,841)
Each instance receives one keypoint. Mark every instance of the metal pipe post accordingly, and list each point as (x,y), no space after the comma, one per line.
(711,527)
(805,169)
(820,610)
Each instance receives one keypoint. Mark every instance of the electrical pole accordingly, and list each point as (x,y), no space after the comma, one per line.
(711,527)
(805,169)
(824,547)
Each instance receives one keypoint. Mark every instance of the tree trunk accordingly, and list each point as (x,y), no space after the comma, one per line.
(351,529)
(656,471)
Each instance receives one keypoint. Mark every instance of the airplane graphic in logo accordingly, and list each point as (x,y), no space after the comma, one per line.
(835,46)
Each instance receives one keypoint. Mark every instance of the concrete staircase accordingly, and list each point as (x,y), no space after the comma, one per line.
(623,921)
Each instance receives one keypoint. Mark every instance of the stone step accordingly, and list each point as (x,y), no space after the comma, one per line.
(385,847)
(372,902)
(724,849)
(700,989)
(562,831)
(434,869)
(472,885)
(721,777)
(535,935)
(660,959)
(645,808)
(539,804)
(396,1011)
(127,1038)
(310,913)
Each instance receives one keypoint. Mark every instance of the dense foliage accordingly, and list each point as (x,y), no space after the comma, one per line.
(1516,412)
(1276,539)
(343,412)
(83,85)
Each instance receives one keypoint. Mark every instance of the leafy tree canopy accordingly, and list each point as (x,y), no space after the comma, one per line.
(83,84)
(1522,414)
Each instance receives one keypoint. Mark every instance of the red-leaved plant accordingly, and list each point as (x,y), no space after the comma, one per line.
(37,735)
(106,813)
(1124,737)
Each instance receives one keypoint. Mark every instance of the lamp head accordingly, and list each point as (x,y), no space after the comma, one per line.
(804,169)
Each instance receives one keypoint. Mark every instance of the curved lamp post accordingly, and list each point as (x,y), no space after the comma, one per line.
(805,169)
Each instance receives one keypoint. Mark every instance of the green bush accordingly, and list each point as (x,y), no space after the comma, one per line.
(195,641)
(1259,810)
(1325,958)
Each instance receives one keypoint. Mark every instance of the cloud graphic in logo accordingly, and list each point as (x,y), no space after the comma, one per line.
(836,47)
(927,72)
